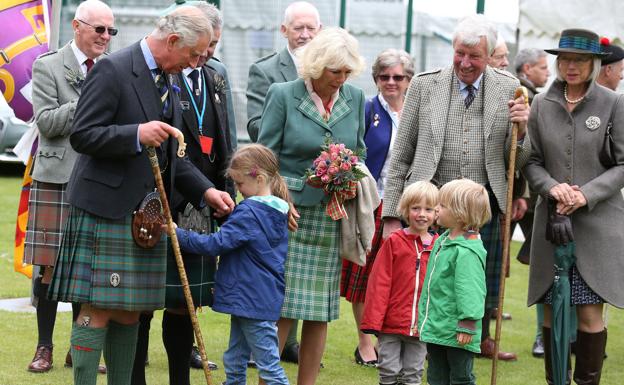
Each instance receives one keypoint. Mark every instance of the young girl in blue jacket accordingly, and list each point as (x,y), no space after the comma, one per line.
(452,301)
(249,283)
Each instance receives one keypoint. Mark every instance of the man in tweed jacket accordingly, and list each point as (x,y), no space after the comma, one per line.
(456,123)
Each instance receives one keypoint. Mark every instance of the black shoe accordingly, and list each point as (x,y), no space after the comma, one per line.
(196,361)
(360,361)
(290,354)
(538,348)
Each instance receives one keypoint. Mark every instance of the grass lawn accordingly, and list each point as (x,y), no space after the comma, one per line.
(18,331)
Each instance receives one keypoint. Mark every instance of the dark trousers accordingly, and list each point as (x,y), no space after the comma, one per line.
(449,366)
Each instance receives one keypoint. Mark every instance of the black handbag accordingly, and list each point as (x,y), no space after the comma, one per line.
(607,151)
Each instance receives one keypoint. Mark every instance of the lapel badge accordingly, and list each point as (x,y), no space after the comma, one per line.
(217,99)
(593,122)
(185,105)
(376,120)
(115,279)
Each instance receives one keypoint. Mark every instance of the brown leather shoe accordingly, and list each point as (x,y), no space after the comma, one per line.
(487,351)
(69,363)
(42,361)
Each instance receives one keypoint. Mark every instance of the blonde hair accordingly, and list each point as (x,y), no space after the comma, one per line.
(416,192)
(468,202)
(256,159)
(332,48)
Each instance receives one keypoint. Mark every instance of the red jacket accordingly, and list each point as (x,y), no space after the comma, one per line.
(392,294)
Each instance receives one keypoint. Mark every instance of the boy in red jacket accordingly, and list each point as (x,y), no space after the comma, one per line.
(391,306)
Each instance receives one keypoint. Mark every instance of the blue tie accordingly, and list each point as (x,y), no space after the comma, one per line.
(163,90)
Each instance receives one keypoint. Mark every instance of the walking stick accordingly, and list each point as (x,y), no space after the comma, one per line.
(151,152)
(511,171)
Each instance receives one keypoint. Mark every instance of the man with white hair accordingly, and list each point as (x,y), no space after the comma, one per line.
(612,66)
(500,56)
(112,258)
(301,23)
(57,80)
(452,128)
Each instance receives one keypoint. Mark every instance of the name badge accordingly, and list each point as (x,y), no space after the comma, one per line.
(185,105)
(206,144)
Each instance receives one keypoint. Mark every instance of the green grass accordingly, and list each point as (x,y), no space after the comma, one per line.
(18,332)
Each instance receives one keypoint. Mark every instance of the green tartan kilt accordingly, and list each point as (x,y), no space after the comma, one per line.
(313,268)
(99,264)
(200,271)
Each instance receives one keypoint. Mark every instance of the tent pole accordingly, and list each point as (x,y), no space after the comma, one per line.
(343,13)
(408,26)
(480,6)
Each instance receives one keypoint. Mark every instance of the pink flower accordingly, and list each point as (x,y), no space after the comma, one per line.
(333,170)
(325,178)
(354,159)
(321,171)
(345,166)
(334,156)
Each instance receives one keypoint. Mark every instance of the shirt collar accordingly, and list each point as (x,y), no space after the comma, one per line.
(147,55)
(80,56)
(476,84)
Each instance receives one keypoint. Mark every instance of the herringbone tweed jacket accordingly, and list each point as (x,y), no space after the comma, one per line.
(419,145)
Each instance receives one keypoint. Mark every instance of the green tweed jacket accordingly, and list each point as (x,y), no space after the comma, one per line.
(293,128)
(419,144)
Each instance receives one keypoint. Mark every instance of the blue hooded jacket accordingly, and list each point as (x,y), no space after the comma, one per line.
(252,245)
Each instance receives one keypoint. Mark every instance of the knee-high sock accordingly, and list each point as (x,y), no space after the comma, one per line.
(119,352)
(46,316)
(140,355)
(86,348)
(177,335)
(75,310)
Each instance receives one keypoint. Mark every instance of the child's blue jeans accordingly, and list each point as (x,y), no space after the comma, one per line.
(260,338)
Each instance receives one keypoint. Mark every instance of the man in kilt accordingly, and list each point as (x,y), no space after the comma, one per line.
(205,125)
(456,123)
(127,104)
(57,80)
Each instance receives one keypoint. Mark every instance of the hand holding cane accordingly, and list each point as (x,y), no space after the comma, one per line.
(511,171)
(176,247)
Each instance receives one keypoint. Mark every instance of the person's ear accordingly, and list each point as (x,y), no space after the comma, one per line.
(172,40)
(283,30)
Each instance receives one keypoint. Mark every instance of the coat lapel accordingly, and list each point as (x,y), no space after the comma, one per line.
(341,107)
(287,66)
(307,107)
(491,100)
(144,86)
(188,115)
(439,102)
(72,67)
(219,105)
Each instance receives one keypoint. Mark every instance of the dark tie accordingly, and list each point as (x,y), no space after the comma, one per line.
(89,63)
(471,95)
(194,75)
(163,90)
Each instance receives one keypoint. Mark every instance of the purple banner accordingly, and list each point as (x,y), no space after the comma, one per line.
(23,38)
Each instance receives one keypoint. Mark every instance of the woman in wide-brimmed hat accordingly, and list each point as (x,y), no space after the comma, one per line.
(567,126)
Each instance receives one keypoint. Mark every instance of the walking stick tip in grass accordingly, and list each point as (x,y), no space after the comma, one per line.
(511,171)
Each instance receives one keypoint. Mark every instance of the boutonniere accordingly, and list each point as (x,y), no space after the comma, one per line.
(75,78)
(219,85)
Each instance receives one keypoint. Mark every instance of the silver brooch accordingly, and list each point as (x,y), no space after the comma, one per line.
(593,122)
(376,120)
(115,279)
(217,99)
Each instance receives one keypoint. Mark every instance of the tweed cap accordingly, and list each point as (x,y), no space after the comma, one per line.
(577,40)
(616,52)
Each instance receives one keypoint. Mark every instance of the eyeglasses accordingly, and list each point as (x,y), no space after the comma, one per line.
(101,29)
(566,60)
(396,78)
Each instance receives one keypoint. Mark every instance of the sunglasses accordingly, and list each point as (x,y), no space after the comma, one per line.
(396,78)
(101,29)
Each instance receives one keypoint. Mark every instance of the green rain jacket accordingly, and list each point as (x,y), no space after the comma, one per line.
(453,291)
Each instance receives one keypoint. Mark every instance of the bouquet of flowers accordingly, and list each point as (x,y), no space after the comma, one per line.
(335,171)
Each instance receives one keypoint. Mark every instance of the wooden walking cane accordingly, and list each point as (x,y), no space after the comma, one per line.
(151,152)
(511,173)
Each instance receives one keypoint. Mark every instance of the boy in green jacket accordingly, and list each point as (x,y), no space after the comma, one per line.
(452,301)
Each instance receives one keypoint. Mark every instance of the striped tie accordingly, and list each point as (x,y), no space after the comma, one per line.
(163,90)
(471,95)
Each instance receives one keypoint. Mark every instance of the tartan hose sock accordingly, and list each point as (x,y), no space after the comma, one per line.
(86,349)
(119,352)
(177,336)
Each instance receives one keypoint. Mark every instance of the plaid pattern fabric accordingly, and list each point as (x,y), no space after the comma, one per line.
(492,241)
(313,268)
(47,214)
(354,277)
(339,109)
(200,272)
(99,264)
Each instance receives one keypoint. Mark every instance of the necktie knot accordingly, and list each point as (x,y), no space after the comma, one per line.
(160,79)
(471,95)
(89,63)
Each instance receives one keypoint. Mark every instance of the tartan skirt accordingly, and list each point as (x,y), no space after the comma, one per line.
(313,267)
(355,277)
(491,237)
(99,264)
(47,215)
(200,272)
